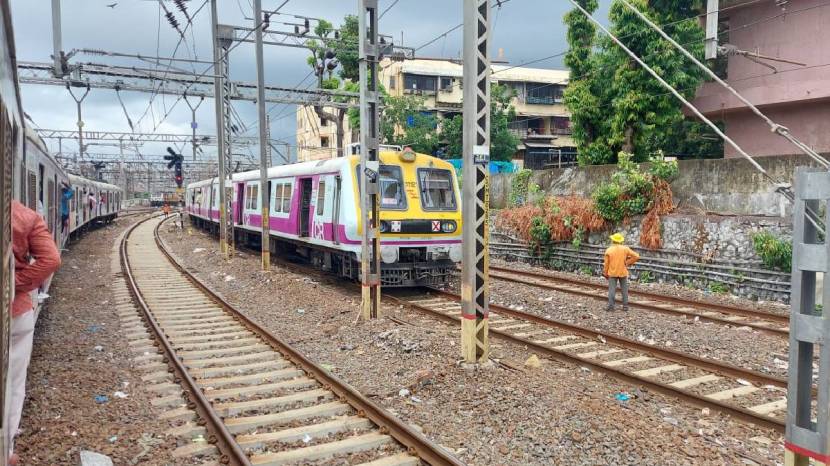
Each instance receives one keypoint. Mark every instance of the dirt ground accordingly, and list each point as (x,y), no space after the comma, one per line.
(505,414)
(79,356)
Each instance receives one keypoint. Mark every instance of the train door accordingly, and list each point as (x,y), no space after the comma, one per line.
(335,222)
(305,206)
(322,209)
(51,209)
(239,191)
(41,202)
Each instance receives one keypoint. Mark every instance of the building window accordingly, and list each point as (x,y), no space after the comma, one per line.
(415,82)
(324,141)
(392,82)
(323,122)
(544,93)
(446,84)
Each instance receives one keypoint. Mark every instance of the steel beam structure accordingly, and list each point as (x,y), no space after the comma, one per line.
(178,83)
(809,329)
(370,166)
(264,163)
(475,296)
(168,138)
(222,101)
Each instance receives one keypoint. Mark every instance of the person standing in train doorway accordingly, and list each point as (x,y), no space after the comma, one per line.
(35,258)
(66,195)
(618,258)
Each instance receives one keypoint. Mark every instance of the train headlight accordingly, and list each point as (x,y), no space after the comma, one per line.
(384,226)
(389,254)
(448,226)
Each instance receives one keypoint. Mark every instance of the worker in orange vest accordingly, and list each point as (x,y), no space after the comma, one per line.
(166,210)
(618,258)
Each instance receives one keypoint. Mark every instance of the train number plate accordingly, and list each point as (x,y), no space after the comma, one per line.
(436,225)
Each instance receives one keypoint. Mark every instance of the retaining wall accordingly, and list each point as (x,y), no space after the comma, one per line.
(724,186)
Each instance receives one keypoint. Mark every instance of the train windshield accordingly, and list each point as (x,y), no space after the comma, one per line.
(436,189)
(390,186)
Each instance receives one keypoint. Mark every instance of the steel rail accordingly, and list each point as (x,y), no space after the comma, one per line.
(666,354)
(655,297)
(231,452)
(682,394)
(416,442)
(725,308)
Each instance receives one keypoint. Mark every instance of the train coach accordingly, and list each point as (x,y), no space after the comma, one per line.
(315,211)
(43,184)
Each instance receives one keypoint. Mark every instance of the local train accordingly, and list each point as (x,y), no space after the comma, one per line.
(33,177)
(315,212)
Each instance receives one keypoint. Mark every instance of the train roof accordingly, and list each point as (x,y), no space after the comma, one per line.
(79,180)
(316,167)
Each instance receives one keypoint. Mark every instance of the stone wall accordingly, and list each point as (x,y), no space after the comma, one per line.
(722,186)
(701,252)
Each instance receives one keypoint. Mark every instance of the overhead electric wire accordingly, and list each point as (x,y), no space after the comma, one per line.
(395,2)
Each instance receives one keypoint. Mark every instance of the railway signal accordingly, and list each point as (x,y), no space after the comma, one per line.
(175,161)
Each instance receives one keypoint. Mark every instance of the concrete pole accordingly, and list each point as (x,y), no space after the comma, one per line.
(218,92)
(56,38)
(370,273)
(475,296)
(264,191)
(121,178)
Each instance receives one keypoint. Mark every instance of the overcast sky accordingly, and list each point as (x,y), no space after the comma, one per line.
(525,29)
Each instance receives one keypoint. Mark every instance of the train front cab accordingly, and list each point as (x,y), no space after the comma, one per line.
(420,218)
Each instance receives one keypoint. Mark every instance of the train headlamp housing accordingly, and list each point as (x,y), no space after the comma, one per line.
(408,155)
(384,226)
(448,226)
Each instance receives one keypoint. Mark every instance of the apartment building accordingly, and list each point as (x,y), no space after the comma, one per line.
(542,123)
(316,137)
(778,58)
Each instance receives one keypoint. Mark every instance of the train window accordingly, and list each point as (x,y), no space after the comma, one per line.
(390,185)
(321,197)
(286,197)
(436,189)
(251,197)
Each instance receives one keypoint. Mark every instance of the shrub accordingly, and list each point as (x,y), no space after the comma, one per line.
(718,288)
(645,277)
(539,232)
(519,187)
(775,252)
(630,192)
(663,169)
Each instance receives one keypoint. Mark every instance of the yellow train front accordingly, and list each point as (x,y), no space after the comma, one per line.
(420,218)
(315,213)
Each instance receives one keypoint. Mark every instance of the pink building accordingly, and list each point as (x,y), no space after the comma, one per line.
(796,96)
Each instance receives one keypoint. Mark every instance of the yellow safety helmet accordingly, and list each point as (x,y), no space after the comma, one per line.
(618,238)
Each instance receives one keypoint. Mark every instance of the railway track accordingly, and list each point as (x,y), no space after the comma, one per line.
(259,401)
(767,322)
(747,395)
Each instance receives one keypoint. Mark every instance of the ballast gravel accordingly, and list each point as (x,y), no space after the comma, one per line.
(735,344)
(83,391)
(504,413)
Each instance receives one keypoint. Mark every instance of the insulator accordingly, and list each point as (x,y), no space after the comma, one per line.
(172,20)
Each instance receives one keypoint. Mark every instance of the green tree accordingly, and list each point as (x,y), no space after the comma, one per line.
(502,142)
(335,51)
(616,105)
(404,121)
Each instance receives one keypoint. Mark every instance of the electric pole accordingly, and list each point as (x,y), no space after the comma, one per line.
(475,295)
(264,187)
(369,164)
(220,59)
